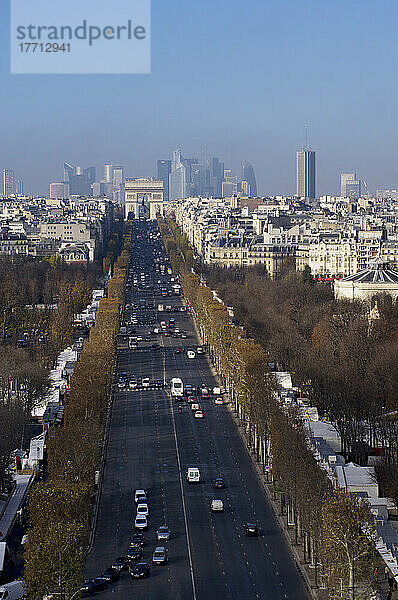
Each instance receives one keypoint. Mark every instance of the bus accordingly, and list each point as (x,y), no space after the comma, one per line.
(177,388)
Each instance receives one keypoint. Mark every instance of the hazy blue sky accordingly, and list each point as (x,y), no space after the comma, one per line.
(238,79)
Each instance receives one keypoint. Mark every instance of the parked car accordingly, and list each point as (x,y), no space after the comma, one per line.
(93,585)
(120,563)
(111,574)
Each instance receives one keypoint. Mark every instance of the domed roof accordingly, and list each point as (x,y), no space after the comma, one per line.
(378,272)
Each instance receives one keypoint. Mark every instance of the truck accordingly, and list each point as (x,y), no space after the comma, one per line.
(193,475)
(12,591)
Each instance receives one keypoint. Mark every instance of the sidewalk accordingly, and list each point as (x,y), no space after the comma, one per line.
(9,514)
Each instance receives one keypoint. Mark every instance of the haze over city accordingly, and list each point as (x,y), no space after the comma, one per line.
(238,80)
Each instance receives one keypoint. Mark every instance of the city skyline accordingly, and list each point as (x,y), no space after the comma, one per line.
(250,101)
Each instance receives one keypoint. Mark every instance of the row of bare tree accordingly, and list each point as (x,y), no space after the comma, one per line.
(61,508)
(336,530)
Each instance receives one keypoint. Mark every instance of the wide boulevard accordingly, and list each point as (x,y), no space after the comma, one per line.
(152,442)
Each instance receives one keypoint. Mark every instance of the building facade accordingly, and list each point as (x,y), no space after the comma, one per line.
(306,173)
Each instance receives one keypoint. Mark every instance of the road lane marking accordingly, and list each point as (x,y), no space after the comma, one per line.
(184,509)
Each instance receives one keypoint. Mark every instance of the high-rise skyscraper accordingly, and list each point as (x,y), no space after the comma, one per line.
(350,186)
(90,174)
(108,173)
(79,185)
(163,174)
(19,187)
(216,176)
(306,173)
(230,184)
(249,176)
(180,179)
(117,182)
(58,190)
(79,181)
(8,182)
(68,170)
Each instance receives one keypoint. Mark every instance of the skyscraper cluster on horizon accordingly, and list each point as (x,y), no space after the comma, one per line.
(11,185)
(82,182)
(187,177)
(184,177)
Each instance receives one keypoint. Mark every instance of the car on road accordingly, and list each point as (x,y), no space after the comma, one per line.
(141,523)
(158,383)
(198,414)
(177,351)
(140,496)
(191,354)
(121,384)
(145,382)
(219,483)
(204,392)
(251,530)
(195,406)
(217,505)
(193,475)
(120,563)
(93,585)
(137,539)
(163,533)
(219,400)
(111,574)
(134,553)
(133,384)
(200,350)
(140,570)
(159,556)
(142,509)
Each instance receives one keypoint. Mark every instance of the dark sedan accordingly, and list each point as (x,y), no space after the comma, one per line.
(120,563)
(140,570)
(134,553)
(251,530)
(93,585)
(111,574)
(137,539)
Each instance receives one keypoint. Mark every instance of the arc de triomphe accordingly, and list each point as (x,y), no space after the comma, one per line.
(139,191)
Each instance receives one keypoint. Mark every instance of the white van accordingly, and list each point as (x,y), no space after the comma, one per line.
(12,591)
(193,475)
(177,387)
